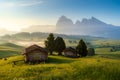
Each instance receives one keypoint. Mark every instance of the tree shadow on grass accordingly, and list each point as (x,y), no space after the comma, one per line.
(59,60)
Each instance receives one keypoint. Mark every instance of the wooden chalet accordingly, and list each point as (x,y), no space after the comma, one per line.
(35,54)
(70,52)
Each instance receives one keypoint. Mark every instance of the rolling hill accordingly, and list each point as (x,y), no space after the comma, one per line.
(10,49)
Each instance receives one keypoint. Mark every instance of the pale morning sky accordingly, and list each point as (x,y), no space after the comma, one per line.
(17,14)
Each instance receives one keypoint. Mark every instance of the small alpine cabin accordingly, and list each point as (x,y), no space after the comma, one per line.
(70,52)
(35,54)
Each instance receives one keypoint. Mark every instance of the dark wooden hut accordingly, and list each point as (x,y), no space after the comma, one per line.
(35,54)
(70,52)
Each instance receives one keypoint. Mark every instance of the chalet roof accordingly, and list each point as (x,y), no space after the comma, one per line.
(70,49)
(33,48)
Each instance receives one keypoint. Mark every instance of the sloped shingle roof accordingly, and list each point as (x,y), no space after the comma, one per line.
(34,47)
(70,49)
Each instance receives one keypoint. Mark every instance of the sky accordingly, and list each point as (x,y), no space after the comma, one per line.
(18,14)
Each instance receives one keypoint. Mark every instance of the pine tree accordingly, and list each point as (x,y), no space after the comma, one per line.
(49,43)
(82,48)
(59,45)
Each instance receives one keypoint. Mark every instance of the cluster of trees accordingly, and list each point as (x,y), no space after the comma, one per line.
(58,45)
(55,44)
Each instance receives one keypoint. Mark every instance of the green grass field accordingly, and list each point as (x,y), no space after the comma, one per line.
(61,68)
(105,65)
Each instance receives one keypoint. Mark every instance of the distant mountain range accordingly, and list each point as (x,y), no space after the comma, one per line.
(90,26)
(64,25)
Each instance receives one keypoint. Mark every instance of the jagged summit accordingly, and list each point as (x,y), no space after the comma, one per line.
(84,20)
(63,16)
(97,21)
(93,18)
(77,22)
(64,21)
(92,26)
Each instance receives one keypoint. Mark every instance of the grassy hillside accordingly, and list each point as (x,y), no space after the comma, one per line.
(105,65)
(105,52)
(9,49)
(62,68)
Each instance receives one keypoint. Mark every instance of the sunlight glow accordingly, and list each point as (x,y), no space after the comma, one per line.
(17,24)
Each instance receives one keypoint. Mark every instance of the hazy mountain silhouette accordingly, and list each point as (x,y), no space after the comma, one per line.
(91,26)
(64,22)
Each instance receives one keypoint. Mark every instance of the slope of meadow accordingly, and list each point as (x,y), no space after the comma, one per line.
(105,65)
(61,68)
(9,49)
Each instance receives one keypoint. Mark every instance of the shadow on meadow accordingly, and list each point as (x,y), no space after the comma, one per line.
(19,60)
(59,60)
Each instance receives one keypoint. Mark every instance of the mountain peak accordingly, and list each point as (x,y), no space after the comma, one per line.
(63,17)
(84,19)
(77,22)
(64,21)
(93,18)
(97,21)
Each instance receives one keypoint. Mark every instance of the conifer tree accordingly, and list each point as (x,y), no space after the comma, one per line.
(59,45)
(82,48)
(49,43)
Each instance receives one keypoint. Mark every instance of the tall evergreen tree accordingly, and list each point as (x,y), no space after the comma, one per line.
(82,48)
(49,43)
(59,45)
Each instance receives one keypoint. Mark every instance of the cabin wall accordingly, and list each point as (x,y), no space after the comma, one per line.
(70,54)
(37,56)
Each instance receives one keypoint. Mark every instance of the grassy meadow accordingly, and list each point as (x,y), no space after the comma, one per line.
(105,65)
(61,68)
